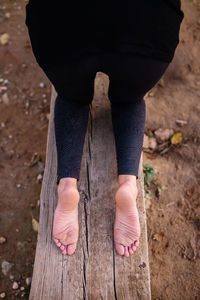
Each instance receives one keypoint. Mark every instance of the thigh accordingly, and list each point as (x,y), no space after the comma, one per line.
(74,79)
(131,76)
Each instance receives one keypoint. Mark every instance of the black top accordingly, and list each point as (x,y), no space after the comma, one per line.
(148,27)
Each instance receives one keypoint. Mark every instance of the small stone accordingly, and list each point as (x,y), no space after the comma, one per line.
(10,136)
(19,185)
(146,141)
(39,178)
(157,237)
(5,98)
(163,134)
(7,15)
(2,240)
(42,85)
(15,285)
(17,230)
(181,122)
(4,38)
(152,143)
(3,295)
(22,288)
(11,277)
(5,267)
(28,280)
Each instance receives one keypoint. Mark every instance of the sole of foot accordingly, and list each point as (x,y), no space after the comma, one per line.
(65,223)
(126,225)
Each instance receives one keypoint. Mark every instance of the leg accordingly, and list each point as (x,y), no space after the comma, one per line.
(75,86)
(130,79)
(71,120)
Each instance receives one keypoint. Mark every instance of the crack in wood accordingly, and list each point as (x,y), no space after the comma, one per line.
(86,224)
(62,280)
(114,279)
(84,276)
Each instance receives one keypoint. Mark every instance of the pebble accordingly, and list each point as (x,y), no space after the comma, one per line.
(11,277)
(22,288)
(163,134)
(2,240)
(28,280)
(19,185)
(39,178)
(2,295)
(4,38)
(5,267)
(15,285)
(7,15)
(145,141)
(181,122)
(5,98)
(42,85)
(3,124)
(152,143)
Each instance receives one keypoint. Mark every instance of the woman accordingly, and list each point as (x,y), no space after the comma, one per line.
(131,41)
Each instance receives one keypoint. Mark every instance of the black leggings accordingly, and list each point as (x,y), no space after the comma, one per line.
(131,77)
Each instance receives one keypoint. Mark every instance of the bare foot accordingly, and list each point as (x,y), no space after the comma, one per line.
(126,226)
(65,223)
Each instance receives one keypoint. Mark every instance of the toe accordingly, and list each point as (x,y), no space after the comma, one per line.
(62,247)
(126,253)
(134,248)
(119,248)
(65,250)
(136,243)
(59,244)
(130,250)
(71,248)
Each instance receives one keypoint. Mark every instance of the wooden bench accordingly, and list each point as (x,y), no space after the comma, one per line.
(95,271)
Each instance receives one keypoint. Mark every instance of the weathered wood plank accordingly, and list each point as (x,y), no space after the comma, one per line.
(95,271)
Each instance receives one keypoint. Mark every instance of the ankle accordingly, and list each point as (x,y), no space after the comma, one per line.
(66,183)
(130,179)
(68,197)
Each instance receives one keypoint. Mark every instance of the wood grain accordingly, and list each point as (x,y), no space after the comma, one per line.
(95,270)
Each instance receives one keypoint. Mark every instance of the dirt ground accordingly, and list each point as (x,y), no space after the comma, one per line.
(173,205)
